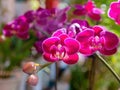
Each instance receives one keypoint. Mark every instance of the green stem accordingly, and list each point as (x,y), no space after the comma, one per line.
(44,65)
(109,67)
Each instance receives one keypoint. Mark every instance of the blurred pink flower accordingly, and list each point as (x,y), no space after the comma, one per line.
(19,27)
(90,10)
(114,11)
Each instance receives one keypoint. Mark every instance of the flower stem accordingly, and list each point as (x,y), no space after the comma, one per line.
(56,77)
(109,67)
(92,73)
(44,65)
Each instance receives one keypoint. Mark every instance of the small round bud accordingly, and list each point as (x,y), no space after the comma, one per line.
(32,80)
(29,67)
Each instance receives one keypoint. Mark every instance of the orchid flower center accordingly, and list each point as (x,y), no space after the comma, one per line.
(59,52)
(95,43)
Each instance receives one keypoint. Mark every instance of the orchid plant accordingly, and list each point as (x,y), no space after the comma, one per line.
(59,38)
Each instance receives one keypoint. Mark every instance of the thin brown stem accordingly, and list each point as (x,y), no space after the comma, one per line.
(56,79)
(92,73)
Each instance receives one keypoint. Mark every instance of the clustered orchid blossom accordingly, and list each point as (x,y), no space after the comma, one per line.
(18,27)
(99,39)
(42,21)
(61,47)
(88,9)
(114,11)
(90,40)
(62,40)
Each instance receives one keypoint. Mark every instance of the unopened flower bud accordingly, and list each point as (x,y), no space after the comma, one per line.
(32,80)
(29,67)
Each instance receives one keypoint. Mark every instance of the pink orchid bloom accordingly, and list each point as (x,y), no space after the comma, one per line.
(19,27)
(90,10)
(114,11)
(60,47)
(97,39)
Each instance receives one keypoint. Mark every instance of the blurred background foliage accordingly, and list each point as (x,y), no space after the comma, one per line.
(13,51)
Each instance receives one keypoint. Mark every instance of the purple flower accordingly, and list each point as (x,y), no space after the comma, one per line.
(61,47)
(97,39)
(114,11)
(30,16)
(83,23)
(46,22)
(18,27)
(80,10)
(89,9)
(50,20)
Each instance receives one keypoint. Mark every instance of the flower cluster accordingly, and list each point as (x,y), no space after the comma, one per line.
(60,40)
(89,9)
(43,23)
(63,46)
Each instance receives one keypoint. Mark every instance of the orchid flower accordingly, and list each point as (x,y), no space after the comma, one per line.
(88,9)
(48,21)
(18,27)
(97,39)
(60,47)
(114,12)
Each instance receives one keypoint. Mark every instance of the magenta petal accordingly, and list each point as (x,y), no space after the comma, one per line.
(86,49)
(49,42)
(115,6)
(112,14)
(7,30)
(49,58)
(71,59)
(109,40)
(63,37)
(72,45)
(108,52)
(98,11)
(84,36)
(89,6)
(94,16)
(59,32)
(97,30)
(117,19)
(80,10)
